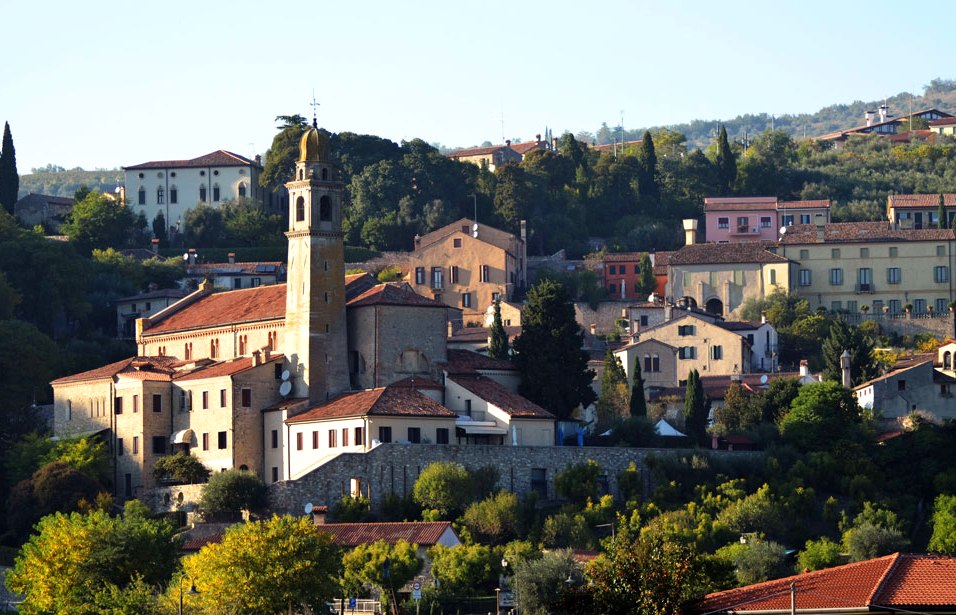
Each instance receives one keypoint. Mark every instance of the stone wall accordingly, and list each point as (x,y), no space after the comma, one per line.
(393,468)
(940,326)
(174,498)
(604,317)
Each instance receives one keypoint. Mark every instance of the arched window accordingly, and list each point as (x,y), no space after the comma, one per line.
(300,174)
(299,209)
(271,344)
(141,196)
(214,349)
(243,340)
(173,195)
(215,193)
(325,174)
(242,190)
(947,360)
(325,209)
(202,194)
(188,351)
(160,196)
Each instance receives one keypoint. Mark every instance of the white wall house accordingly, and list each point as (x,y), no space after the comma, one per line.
(174,186)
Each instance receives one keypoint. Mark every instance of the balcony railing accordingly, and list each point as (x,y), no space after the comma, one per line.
(864,288)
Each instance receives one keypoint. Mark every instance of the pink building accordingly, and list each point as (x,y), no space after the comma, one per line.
(758,218)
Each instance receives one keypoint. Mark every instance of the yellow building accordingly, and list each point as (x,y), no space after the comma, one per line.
(844,266)
(919,210)
(490,157)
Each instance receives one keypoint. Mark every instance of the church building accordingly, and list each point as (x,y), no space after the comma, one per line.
(280,379)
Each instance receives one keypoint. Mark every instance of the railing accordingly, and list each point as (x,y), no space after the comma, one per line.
(864,288)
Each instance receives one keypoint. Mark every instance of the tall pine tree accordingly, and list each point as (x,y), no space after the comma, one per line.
(498,344)
(638,401)
(647,179)
(941,213)
(726,163)
(9,180)
(695,409)
(549,354)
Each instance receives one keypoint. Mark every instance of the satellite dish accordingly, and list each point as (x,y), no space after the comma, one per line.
(763,379)
(474,226)
(308,508)
(186,256)
(475,234)
(285,374)
(783,230)
(285,388)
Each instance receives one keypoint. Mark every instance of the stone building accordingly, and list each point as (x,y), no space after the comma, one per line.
(50,211)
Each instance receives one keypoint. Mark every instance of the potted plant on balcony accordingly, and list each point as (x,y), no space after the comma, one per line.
(908,308)
(865,309)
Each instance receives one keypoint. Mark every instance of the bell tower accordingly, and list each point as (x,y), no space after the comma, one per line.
(315,329)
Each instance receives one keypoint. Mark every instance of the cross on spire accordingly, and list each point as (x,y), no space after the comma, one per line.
(315,108)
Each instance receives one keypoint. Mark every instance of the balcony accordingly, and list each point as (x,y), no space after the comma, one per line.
(864,288)
(744,230)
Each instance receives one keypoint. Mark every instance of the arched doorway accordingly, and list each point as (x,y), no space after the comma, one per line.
(715,306)
(687,302)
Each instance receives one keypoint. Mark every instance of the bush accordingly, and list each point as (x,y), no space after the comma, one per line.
(351,510)
(867,541)
(578,483)
(181,468)
(233,491)
(819,554)
(494,520)
(445,488)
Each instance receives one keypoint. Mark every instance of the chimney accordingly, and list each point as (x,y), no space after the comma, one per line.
(868,115)
(804,368)
(258,160)
(319,514)
(256,358)
(884,112)
(524,230)
(232,257)
(763,318)
(821,232)
(508,142)
(418,240)
(845,369)
(537,138)
(593,328)
(192,256)
(154,244)
(266,354)
(554,143)
(451,328)
(690,232)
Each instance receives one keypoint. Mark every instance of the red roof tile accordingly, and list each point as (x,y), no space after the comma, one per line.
(476,151)
(224,308)
(144,368)
(393,294)
(892,581)
(661,261)
(725,253)
(740,203)
(487,389)
(528,146)
(903,201)
(422,533)
(625,257)
(818,204)
(218,158)
(388,401)
(860,232)
(418,382)
(224,368)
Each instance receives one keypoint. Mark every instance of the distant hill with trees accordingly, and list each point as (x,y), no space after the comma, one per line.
(57,181)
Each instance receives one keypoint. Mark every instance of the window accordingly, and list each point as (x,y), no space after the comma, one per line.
(119,447)
(713,281)
(359,436)
(894,306)
(214,349)
(202,193)
(441,435)
(804,254)
(864,253)
(739,278)
(159,445)
(415,435)
(637,269)
(157,403)
(205,400)
(804,277)
(940,306)
(345,436)
(468,407)
(743,222)
(723,222)
(835,253)
(246,395)
(437,278)
(940,250)
(135,404)
(332,438)
(384,434)
(612,288)
(419,275)
(877,306)
(893,275)
(765,222)
(275,474)
(836,277)
(687,352)
(900,385)
(485,273)
(69,410)
(135,445)
(222,439)
(773,276)
(804,218)
(788,220)
(188,351)
(716,353)
(836,306)
(612,269)
(466,300)
(495,297)
(894,252)
(647,363)
(242,190)
(141,196)
(118,404)
(215,193)
(453,274)
(300,209)
(685,330)
(940,274)
(456,242)
(205,442)
(919,306)
(539,482)
(173,195)
(852,307)
(236,283)
(160,196)
(644,320)
(275,438)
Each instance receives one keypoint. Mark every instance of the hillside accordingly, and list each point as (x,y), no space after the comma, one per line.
(939,93)
(57,181)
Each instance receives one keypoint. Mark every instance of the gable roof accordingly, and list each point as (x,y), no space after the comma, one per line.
(513,404)
(480,334)
(661,261)
(224,308)
(892,581)
(487,234)
(904,201)
(860,232)
(421,533)
(383,401)
(528,146)
(817,204)
(477,151)
(145,368)
(393,294)
(725,253)
(218,158)
(225,368)
(237,268)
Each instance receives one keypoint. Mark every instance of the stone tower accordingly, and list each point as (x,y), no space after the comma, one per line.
(315,329)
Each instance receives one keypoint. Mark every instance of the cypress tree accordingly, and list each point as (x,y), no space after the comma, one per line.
(648,281)
(498,344)
(941,214)
(647,179)
(9,180)
(638,402)
(844,337)
(695,408)
(726,163)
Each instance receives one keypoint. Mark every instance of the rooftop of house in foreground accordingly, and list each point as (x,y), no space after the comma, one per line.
(860,232)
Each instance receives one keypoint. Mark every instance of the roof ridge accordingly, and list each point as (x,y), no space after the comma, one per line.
(878,587)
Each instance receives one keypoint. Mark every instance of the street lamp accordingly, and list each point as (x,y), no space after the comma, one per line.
(192,590)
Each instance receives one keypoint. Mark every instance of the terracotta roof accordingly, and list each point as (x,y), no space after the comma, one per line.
(910,135)
(53,200)
(224,368)
(899,368)
(247,268)
(740,203)
(903,201)
(480,334)
(468,362)
(661,261)
(488,234)
(422,533)
(725,253)
(528,146)
(218,158)
(224,308)
(476,151)
(145,368)
(896,581)
(818,204)
(175,293)
(626,257)
(943,121)
(860,232)
(387,401)
(418,382)
(358,283)
(393,294)
(487,389)
(195,544)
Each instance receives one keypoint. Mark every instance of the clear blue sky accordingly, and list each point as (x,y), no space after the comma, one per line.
(104,84)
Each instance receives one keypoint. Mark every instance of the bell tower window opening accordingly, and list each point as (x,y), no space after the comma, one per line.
(325,174)
(325,208)
(299,209)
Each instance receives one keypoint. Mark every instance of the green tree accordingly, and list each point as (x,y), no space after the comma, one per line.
(819,554)
(445,488)
(550,330)
(71,560)
(866,541)
(160,229)
(696,408)
(279,564)
(638,403)
(232,491)
(351,509)
(181,468)
(246,224)
(863,365)
(465,570)
(647,282)
(579,482)
(613,403)
(9,179)
(498,346)
(540,583)
(822,414)
(943,539)
(99,221)
(28,361)
(54,487)
(726,163)
(204,226)
(388,567)
(941,214)
(281,156)
(755,561)
(494,520)
(647,185)
(514,196)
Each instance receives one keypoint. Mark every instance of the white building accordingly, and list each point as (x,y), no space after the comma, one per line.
(175,186)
